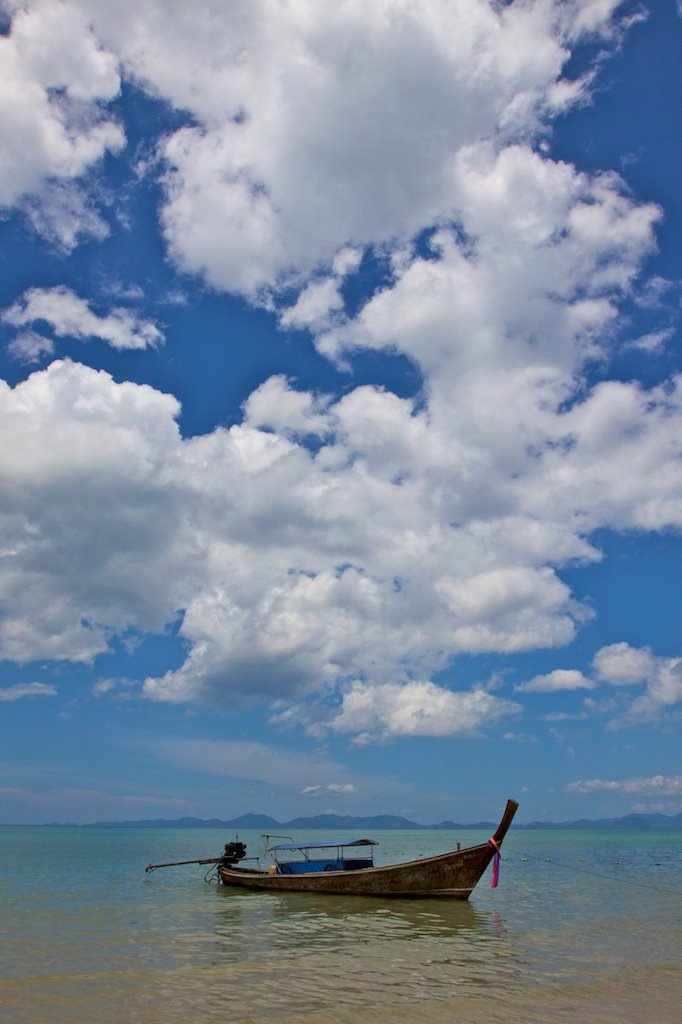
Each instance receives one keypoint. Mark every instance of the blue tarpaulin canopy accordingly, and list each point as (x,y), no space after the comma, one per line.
(326,844)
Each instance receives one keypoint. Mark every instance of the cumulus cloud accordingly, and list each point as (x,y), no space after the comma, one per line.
(501,327)
(412,530)
(315,305)
(55,81)
(619,665)
(416,709)
(371,107)
(656,785)
(661,699)
(290,570)
(19,690)
(278,405)
(321,299)
(80,516)
(577,243)
(368,106)
(623,665)
(558,680)
(70,316)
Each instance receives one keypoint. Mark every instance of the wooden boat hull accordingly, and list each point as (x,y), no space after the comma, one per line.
(450,875)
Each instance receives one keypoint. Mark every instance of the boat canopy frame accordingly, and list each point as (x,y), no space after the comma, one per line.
(312,852)
(336,844)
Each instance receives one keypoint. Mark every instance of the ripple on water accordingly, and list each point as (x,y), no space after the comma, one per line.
(94,938)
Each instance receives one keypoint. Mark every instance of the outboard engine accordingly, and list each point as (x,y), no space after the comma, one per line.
(233,852)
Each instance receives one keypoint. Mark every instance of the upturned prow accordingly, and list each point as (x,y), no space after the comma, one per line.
(507,818)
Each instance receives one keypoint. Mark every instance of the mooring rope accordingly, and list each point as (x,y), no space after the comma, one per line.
(599,874)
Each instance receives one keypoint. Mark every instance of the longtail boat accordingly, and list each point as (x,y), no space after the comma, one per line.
(351,871)
(346,867)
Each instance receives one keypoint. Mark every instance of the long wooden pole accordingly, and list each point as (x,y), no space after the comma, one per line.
(175,863)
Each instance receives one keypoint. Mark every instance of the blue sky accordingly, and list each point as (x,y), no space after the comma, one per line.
(340,409)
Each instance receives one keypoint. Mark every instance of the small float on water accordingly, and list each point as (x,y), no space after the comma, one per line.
(346,868)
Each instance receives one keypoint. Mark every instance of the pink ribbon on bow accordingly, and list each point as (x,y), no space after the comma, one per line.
(495,877)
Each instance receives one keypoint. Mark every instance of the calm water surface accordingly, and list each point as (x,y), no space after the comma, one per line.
(584,924)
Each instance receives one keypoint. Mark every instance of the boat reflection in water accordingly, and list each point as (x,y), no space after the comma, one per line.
(325,949)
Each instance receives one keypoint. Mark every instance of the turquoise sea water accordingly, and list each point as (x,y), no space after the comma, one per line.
(584,925)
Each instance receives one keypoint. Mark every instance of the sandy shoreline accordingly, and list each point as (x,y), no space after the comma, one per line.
(651,994)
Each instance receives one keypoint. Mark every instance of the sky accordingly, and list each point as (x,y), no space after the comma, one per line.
(340,408)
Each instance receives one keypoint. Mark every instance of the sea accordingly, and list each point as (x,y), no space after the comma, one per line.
(584,926)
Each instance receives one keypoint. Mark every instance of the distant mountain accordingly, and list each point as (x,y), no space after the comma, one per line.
(628,821)
(244,821)
(327,821)
(253,821)
(335,822)
(454,825)
(263,821)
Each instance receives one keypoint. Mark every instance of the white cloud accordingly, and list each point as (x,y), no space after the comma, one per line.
(83,510)
(559,680)
(297,156)
(655,341)
(366,107)
(30,347)
(661,699)
(415,530)
(55,78)
(519,737)
(534,289)
(346,261)
(277,405)
(19,690)
(659,682)
(119,687)
(321,299)
(416,709)
(65,215)
(623,665)
(656,785)
(315,305)
(70,316)
(620,666)
(103,686)
(333,787)
(382,556)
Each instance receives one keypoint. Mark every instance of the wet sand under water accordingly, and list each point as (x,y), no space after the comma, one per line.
(645,996)
(654,999)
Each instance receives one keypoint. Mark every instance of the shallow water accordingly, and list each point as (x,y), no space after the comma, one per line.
(583,924)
